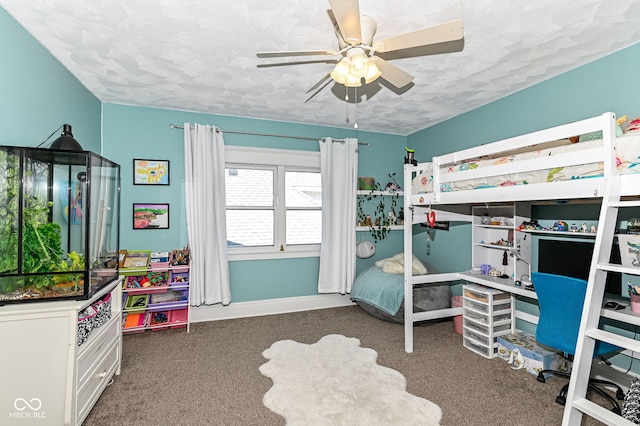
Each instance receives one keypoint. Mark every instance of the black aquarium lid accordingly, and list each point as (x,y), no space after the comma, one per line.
(60,156)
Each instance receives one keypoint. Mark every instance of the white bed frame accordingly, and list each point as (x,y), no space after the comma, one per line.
(415,205)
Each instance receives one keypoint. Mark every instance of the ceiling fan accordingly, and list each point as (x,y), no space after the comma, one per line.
(360,59)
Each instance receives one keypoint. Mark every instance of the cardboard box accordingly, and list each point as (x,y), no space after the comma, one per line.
(535,358)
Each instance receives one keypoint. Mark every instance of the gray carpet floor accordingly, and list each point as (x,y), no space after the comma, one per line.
(210,376)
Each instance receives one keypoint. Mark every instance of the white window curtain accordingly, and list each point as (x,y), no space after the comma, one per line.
(339,169)
(206,215)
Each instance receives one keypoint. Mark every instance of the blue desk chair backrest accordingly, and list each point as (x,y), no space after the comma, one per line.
(561,300)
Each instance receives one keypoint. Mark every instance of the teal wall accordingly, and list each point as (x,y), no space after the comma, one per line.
(37,94)
(600,86)
(143,133)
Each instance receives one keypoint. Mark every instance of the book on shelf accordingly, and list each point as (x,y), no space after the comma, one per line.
(136,259)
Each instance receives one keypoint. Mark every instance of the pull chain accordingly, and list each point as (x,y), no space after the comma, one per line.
(355,94)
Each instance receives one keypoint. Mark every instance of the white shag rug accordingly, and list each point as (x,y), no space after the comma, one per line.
(337,382)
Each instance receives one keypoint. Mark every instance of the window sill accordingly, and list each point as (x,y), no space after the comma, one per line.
(291,254)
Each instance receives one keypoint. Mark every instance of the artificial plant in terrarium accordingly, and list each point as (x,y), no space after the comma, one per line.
(43,259)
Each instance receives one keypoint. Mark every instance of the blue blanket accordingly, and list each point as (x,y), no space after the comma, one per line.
(385,291)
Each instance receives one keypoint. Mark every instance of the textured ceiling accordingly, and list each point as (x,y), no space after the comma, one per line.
(200,55)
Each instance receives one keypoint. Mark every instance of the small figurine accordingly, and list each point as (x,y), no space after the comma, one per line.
(583,228)
(593,229)
(408,159)
(391,218)
(573,227)
(561,226)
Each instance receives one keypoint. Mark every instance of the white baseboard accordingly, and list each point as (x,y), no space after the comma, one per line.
(268,307)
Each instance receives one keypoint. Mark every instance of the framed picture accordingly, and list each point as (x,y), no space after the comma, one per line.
(151,172)
(150,216)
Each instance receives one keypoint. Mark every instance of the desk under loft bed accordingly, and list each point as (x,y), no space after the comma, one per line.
(543,165)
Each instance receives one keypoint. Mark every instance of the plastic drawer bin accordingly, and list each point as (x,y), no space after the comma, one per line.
(484,329)
(178,318)
(159,320)
(169,300)
(137,303)
(484,308)
(484,351)
(135,320)
(476,337)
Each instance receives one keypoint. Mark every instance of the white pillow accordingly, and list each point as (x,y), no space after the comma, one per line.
(395,265)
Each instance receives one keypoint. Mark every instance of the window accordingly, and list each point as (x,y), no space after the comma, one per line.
(273,203)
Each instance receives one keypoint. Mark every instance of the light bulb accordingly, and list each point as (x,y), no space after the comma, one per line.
(373,72)
(341,71)
(358,65)
(353,81)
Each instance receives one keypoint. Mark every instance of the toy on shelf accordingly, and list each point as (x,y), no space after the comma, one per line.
(180,257)
(408,159)
(558,226)
(561,226)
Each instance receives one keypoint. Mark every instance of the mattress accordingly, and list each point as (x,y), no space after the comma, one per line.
(627,148)
(382,295)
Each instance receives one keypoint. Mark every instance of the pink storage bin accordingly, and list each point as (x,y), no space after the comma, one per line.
(178,318)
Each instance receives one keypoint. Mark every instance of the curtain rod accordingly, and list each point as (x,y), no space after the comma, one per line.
(175,126)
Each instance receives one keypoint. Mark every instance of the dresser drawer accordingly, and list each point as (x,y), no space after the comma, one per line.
(95,348)
(96,381)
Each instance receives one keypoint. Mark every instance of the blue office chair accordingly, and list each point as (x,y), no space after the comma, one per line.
(561,301)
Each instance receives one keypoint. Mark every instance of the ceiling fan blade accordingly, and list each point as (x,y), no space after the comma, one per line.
(347,14)
(295,53)
(393,74)
(449,31)
(289,63)
(319,83)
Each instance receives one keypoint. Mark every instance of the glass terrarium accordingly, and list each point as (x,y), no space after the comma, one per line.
(59,224)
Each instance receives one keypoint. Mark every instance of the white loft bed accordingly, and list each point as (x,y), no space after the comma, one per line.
(543,165)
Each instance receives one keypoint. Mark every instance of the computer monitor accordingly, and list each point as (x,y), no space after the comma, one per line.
(573,259)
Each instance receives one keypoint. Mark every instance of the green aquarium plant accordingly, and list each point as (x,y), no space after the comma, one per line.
(9,196)
(41,246)
(73,263)
(42,243)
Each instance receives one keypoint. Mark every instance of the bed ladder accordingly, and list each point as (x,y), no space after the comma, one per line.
(577,404)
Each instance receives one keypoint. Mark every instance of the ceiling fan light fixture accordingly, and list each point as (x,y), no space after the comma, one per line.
(341,71)
(353,81)
(373,72)
(358,63)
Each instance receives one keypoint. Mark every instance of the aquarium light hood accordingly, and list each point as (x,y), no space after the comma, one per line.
(65,141)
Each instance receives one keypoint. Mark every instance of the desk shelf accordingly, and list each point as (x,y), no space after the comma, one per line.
(495,234)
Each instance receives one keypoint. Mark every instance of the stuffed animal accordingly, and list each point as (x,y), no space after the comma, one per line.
(392,187)
(634,125)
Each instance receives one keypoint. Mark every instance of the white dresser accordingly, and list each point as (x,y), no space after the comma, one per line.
(46,378)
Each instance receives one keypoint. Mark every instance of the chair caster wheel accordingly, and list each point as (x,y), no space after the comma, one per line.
(561,400)
(540,378)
